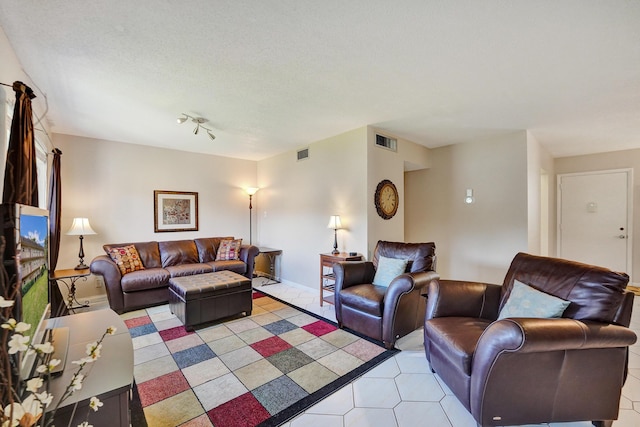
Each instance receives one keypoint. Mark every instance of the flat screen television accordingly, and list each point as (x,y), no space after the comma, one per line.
(26,261)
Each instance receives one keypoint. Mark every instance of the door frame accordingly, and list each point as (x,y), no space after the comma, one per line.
(629,226)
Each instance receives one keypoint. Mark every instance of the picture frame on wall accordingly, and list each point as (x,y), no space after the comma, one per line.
(175,211)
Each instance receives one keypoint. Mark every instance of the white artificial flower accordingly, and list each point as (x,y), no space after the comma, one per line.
(93,350)
(76,383)
(43,369)
(5,302)
(111,330)
(18,343)
(83,361)
(34,384)
(30,407)
(19,327)
(22,327)
(18,412)
(45,398)
(45,348)
(95,403)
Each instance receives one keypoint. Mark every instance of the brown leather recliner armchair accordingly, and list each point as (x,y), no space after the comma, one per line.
(533,370)
(385,314)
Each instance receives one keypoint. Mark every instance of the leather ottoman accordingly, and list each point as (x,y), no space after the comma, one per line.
(206,297)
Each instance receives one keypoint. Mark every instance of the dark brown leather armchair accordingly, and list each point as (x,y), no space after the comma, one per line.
(532,370)
(385,313)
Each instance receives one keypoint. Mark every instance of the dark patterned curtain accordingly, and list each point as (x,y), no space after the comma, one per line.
(58,308)
(20,174)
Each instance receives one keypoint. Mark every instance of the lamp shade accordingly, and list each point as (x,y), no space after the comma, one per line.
(334,222)
(251,190)
(80,227)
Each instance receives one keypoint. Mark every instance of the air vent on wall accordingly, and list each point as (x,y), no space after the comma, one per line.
(303,154)
(385,142)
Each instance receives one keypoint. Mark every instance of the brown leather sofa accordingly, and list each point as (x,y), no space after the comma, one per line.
(533,370)
(162,261)
(385,314)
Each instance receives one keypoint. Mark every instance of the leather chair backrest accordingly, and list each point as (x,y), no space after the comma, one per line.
(596,293)
(421,256)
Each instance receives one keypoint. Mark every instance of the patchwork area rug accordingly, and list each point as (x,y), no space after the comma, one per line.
(251,371)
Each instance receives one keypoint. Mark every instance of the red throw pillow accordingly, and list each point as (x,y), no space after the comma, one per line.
(229,250)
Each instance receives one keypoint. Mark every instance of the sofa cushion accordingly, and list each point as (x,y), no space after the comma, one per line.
(388,269)
(208,247)
(229,250)
(126,258)
(456,338)
(188,269)
(236,266)
(366,298)
(525,301)
(178,252)
(143,280)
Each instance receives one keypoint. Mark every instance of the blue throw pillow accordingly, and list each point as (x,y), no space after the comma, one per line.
(525,301)
(388,269)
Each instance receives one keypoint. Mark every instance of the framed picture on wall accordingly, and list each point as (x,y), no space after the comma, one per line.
(175,211)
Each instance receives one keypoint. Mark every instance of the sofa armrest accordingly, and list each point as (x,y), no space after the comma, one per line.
(464,299)
(350,273)
(248,254)
(102,265)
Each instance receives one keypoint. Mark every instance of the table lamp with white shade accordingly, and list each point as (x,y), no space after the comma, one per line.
(80,227)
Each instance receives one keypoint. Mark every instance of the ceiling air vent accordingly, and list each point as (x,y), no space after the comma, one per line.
(303,154)
(388,143)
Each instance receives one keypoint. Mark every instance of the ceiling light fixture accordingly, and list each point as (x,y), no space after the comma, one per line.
(199,121)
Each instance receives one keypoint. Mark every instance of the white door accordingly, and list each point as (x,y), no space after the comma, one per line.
(594,216)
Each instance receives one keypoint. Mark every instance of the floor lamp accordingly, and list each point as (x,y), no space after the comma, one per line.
(80,227)
(251,191)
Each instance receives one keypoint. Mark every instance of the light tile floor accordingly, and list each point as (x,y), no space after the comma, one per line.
(402,391)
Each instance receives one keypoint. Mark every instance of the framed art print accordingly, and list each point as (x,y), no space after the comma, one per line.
(175,211)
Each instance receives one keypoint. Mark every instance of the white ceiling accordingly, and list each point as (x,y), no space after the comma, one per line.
(276,75)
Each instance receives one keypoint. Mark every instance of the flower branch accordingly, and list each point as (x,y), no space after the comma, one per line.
(32,410)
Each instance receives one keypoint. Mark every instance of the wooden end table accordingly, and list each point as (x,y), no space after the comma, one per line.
(327,276)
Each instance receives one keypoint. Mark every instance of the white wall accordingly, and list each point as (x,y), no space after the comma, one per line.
(112,184)
(539,163)
(476,241)
(296,199)
(386,164)
(605,161)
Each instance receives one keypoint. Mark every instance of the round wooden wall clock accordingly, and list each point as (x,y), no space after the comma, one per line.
(386,199)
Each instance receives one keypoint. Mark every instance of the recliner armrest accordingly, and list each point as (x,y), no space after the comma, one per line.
(529,335)
(408,282)
(464,299)
(556,354)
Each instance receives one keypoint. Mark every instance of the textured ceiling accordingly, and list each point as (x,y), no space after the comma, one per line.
(275,75)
